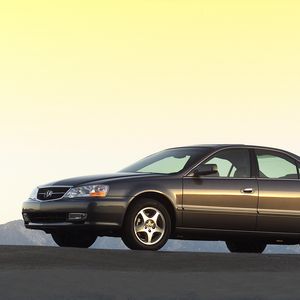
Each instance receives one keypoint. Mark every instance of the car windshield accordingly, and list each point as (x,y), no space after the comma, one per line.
(169,161)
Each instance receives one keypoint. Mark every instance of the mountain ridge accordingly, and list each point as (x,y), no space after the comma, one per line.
(14,233)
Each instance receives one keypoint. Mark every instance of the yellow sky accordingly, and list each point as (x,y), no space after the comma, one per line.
(89,86)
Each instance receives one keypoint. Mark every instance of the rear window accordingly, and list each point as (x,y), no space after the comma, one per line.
(276,165)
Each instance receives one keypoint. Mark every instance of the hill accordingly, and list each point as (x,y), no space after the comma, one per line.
(14,233)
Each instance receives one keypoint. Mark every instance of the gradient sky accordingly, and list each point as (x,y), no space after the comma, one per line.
(88,87)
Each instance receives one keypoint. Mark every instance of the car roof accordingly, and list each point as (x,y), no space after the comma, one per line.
(215,147)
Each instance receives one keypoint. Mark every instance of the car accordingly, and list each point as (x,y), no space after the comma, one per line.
(247,196)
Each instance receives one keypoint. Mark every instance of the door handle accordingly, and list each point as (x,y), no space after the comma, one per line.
(247,190)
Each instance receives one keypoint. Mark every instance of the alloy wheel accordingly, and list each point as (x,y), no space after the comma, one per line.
(149,226)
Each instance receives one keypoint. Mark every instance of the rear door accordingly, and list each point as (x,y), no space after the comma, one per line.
(279,192)
(226,200)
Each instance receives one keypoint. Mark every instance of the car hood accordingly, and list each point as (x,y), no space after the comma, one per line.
(86,179)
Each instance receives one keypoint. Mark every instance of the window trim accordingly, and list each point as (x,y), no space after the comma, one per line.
(279,154)
(210,156)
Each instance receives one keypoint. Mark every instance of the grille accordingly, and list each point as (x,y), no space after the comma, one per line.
(51,193)
(47,217)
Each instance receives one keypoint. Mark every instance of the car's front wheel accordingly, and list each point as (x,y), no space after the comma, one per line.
(246,246)
(74,239)
(147,226)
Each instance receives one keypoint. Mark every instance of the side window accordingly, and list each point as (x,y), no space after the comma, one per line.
(276,165)
(232,163)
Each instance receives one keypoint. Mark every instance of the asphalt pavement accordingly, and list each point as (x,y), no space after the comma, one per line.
(68,273)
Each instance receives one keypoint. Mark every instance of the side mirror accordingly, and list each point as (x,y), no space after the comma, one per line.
(208,169)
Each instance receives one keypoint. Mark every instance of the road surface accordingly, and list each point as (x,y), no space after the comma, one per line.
(44,273)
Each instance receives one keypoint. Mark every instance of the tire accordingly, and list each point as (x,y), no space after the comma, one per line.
(74,239)
(246,246)
(147,226)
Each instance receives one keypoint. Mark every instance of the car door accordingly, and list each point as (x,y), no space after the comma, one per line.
(226,200)
(279,192)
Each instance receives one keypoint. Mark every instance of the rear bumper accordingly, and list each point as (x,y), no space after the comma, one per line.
(105,215)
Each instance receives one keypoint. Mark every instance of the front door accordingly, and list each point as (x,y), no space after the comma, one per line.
(227,200)
(279,192)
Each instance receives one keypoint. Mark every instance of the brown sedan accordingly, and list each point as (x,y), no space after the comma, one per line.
(247,196)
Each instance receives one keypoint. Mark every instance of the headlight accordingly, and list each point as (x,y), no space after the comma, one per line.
(88,191)
(34,193)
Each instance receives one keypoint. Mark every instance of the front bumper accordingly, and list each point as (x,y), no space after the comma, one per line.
(102,215)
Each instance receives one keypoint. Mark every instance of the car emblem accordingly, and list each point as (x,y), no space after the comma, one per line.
(48,194)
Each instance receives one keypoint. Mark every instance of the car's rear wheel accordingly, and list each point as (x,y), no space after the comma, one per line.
(147,226)
(74,239)
(246,246)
